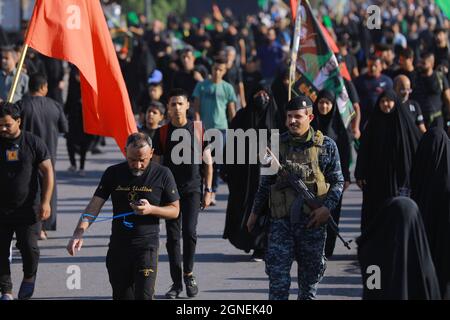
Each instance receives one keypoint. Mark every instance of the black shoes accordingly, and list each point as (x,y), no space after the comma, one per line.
(174,291)
(26,290)
(191,286)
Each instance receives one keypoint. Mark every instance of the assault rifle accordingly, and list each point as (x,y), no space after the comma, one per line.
(305,195)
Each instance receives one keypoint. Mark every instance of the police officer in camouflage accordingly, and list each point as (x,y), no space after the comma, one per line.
(296,232)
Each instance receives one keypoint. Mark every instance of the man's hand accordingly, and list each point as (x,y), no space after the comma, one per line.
(346,185)
(207,197)
(251,221)
(356,133)
(45,211)
(361,183)
(318,217)
(142,208)
(75,244)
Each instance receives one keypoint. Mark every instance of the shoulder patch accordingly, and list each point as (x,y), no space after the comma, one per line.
(318,138)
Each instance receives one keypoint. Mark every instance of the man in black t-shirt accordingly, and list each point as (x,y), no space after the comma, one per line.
(406,63)
(234,74)
(432,92)
(189,183)
(24,201)
(146,192)
(402,86)
(45,118)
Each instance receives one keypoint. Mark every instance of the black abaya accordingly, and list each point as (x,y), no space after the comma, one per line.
(333,127)
(243,179)
(396,242)
(430,188)
(384,161)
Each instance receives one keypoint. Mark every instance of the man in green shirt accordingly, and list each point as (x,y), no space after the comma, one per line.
(215,99)
(215,106)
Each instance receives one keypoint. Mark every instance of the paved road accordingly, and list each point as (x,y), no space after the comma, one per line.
(223,272)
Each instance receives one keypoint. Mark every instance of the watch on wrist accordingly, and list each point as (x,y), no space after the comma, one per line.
(209,190)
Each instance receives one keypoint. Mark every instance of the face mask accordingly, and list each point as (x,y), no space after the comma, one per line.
(262,101)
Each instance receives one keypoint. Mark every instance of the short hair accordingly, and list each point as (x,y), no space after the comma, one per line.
(187,49)
(5,49)
(426,55)
(342,43)
(178,92)
(220,60)
(139,140)
(9,109)
(381,47)
(439,30)
(229,49)
(407,53)
(37,81)
(374,58)
(156,105)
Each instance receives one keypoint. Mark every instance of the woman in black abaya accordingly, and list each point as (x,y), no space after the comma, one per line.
(328,120)
(384,161)
(397,244)
(243,179)
(430,188)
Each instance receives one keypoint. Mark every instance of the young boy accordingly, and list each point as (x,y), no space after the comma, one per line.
(154,115)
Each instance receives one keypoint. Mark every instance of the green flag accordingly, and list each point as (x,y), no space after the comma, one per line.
(317,66)
(445,7)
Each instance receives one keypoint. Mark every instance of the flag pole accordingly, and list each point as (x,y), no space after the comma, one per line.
(295,48)
(23,54)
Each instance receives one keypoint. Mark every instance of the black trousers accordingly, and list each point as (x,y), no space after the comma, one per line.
(132,272)
(185,225)
(27,237)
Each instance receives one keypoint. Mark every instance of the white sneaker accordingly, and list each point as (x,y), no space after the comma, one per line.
(82,173)
(72,169)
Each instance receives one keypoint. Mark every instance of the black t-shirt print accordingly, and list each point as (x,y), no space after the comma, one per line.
(157,185)
(20,194)
(414,111)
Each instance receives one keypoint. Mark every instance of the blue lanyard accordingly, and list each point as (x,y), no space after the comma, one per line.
(127,224)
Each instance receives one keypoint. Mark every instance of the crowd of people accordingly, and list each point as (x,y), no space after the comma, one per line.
(231,72)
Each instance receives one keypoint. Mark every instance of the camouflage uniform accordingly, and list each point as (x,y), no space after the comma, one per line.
(289,238)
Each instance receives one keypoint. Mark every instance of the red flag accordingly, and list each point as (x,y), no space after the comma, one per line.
(76,31)
(294,4)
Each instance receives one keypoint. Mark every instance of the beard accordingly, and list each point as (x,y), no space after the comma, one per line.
(137,172)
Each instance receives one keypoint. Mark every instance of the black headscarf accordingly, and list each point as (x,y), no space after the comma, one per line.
(430,188)
(258,116)
(333,127)
(331,123)
(396,242)
(388,145)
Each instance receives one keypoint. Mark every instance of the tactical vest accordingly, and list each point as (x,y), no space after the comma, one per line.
(281,194)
